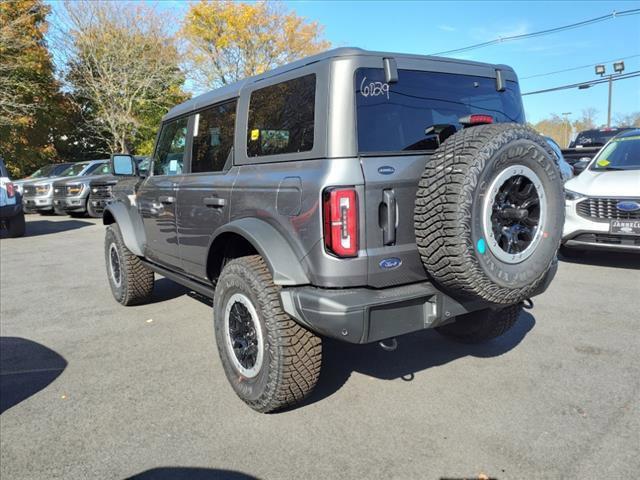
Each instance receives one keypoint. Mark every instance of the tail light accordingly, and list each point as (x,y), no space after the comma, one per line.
(340,216)
(11,190)
(476,119)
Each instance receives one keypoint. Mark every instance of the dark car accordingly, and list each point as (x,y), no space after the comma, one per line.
(11,213)
(100,189)
(354,195)
(587,144)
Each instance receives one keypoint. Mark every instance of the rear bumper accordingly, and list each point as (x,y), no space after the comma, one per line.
(10,211)
(364,315)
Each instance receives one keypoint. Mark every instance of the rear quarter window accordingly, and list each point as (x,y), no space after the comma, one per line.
(281,118)
(422,108)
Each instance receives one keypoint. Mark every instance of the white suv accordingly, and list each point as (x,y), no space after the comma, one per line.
(11,214)
(603,202)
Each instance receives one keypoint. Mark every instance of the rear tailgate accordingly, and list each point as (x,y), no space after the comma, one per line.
(399,126)
(390,191)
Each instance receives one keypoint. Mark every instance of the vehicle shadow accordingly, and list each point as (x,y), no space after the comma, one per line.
(26,367)
(602,259)
(191,473)
(37,228)
(165,289)
(416,352)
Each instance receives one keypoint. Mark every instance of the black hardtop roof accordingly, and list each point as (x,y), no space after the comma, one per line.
(631,132)
(233,90)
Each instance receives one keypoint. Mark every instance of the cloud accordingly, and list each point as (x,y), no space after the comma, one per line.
(447,28)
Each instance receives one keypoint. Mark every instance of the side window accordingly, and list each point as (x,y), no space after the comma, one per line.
(281,118)
(169,155)
(213,138)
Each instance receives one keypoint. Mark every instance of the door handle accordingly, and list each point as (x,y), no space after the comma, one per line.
(166,199)
(388,217)
(214,202)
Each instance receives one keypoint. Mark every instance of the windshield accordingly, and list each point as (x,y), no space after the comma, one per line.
(42,172)
(143,164)
(619,154)
(99,169)
(58,169)
(423,108)
(74,170)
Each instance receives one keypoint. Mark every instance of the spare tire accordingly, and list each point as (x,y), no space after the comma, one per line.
(489,213)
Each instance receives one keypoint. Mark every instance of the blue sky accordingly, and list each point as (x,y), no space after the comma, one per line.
(428,27)
(423,27)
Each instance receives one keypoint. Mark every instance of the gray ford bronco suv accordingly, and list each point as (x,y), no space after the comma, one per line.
(354,195)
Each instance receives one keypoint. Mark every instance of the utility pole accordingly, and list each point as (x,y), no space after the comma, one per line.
(566,129)
(618,68)
(609,109)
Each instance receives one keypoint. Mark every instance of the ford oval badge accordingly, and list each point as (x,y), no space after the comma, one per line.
(386,170)
(628,206)
(389,263)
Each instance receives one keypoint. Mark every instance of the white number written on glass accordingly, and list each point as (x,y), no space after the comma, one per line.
(373,89)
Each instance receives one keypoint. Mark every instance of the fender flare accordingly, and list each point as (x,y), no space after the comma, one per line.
(281,259)
(131,229)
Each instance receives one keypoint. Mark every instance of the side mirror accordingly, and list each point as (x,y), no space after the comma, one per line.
(123,164)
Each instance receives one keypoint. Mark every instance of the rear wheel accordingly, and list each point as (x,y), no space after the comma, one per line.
(481,326)
(130,280)
(16,226)
(270,360)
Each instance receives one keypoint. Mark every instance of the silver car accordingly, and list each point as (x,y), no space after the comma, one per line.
(603,202)
(70,196)
(38,195)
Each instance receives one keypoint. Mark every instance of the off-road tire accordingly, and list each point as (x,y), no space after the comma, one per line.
(292,355)
(16,226)
(448,215)
(136,280)
(481,326)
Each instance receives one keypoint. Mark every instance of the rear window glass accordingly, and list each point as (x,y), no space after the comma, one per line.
(423,108)
(595,138)
(281,118)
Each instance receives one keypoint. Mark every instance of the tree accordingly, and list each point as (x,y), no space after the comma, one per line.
(226,41)
(28,91)
(122,70)
(628,120)
(555,127)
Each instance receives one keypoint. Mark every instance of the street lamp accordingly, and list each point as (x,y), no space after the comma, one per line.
(618,68)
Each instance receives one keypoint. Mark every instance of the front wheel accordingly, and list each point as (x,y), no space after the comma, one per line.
(483,325)
(270,360)
(91,210)
(130,280)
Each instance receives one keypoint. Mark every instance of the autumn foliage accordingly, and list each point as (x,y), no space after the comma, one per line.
(226,41)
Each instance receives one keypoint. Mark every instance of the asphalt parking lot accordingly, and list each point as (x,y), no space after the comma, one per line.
(90,389)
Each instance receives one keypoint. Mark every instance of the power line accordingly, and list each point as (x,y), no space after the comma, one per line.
(548,31)
(577,68)
(588,84)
